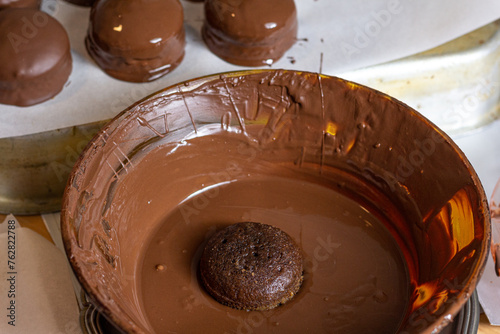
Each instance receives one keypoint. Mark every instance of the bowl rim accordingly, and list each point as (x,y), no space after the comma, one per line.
(130,327)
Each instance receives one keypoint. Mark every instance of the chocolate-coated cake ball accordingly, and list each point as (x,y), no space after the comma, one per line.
(138,40)
(250,33)
(35,56)
(251,266)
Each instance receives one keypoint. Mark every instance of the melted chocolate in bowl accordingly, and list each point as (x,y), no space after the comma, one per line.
(352,264)
(390,216)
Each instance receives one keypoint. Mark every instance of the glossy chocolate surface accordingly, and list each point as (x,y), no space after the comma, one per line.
(35,56)
(299,150)
(355,279)
(136,41)
(250,33)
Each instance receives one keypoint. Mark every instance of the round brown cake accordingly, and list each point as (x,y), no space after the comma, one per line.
(251,266)
(138,40)
(35,56)
(250,33)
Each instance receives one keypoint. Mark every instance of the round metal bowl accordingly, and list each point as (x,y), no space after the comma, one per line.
(374,138)
(465,322)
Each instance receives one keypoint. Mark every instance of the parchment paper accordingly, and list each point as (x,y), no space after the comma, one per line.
(334,36)
(36,293)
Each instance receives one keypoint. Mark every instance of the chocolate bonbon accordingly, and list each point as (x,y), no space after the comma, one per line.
(35,56)
(250,33)
(136,41)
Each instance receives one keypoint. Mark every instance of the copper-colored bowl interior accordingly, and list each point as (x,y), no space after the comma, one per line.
(365,135)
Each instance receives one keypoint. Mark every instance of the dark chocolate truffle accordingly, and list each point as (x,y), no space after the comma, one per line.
(250,33)
(138,40)
(35,56)
(20,4)
(251,266)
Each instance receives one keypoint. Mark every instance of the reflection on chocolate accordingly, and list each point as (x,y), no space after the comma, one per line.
(250,33)
(138,40)
(35,57)
(19,4)
(251,266)
(390,216)
(86,3)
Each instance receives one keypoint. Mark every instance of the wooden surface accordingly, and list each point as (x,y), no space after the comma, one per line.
(36,224)
(486,328)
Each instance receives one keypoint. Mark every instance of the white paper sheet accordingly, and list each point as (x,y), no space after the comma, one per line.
(37,295)
(344,34)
